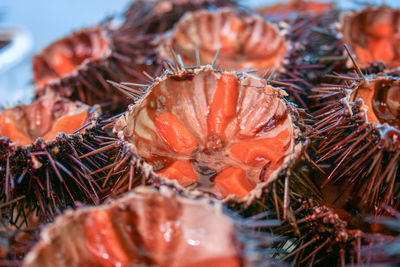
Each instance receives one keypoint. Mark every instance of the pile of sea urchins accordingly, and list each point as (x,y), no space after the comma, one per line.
(204,133)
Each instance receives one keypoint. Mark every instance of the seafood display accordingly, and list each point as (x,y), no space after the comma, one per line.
(205,133)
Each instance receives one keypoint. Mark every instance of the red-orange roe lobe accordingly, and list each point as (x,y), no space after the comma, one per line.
(44,118)
(215,131)
(373,35)
(142,229)
(297,7)
(381,98)
(66,55)
(245,40)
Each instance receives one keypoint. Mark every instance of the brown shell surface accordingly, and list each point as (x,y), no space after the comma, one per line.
(243,40)
(146,227)
(261,116)
(373,35)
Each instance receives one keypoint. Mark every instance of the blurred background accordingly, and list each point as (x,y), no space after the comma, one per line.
(42,21)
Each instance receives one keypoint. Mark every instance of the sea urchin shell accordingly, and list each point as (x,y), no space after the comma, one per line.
(220,132)
(40,158)
(79,65)
(372,34)
(244,41)
(147,227)
(359,133)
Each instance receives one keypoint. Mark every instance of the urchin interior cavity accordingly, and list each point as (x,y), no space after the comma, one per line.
(373,35)
(244,40)
(146,229)
(213,131)
(382,97)
(64,56)
(43,118)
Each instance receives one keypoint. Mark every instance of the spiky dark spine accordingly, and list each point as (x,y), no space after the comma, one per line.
(158,16)
(312,234)
(364,156)
(316,50)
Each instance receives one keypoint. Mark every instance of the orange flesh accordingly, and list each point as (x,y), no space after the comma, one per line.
(381,97)
(182,171)
(378,40)
(9,129)
(64,56)
(105,244)
(174,134)
(381,49)
(364,54)
(223,106)
(366,93)
(14,130)
(258,151)
(62,63)
(382,29)
(67,124)
(218,160)
(233,180)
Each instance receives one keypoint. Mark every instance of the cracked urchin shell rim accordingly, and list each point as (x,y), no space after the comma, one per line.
(134,165)
(242,40)
(47,176)
(364,151)
(148,226)
(375,28)
(79,65)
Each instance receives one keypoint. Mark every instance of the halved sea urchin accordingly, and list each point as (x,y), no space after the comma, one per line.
(224,133)
(79,65)
(40,158)
(358,134)
(241,39)
(150,227)
(373,35)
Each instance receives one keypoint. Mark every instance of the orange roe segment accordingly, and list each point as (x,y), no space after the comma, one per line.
(363,54)
(67,124)
(382,29)
(102,240)
(233,180)
(381,49)
(223,106)
(257,151)
(182,171)
(62,63)
(174,134)
(10,130)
